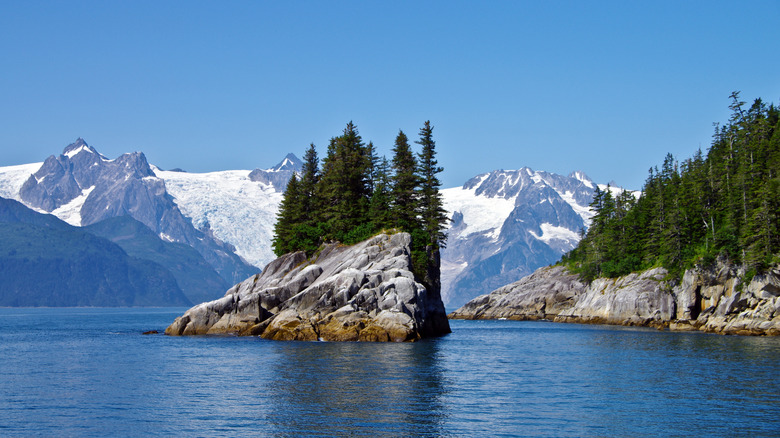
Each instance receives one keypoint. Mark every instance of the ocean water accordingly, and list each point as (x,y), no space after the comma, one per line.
(90,372)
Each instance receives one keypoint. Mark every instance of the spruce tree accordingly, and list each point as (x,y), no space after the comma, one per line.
(310,176)
(344,189)
(432,212)
(307,233)
(404,200)
(379,208)
(288,217)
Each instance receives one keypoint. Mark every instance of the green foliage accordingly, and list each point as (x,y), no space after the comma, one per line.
(357,194)
(405,185)
(290,213)
(726,204)
(434,217)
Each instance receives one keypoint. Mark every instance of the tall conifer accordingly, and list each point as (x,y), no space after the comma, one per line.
(404,204)
(344,188)
(432,212)
(287,218)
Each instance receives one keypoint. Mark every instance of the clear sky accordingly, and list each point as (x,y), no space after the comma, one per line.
(604,87)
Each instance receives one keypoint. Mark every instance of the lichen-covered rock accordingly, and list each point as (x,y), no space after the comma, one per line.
(541,295)
(717,300)
(635,299)
(713,300)
(364,292)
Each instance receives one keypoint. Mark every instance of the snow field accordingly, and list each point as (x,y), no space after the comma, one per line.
(238,210)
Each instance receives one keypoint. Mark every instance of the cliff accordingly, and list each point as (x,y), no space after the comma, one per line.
(720,299)
(363,292)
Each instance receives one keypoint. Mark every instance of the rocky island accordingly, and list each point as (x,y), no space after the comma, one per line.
(721,299)
(363,292)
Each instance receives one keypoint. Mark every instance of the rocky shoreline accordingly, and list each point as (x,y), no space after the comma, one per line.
(363,292)
(721,300)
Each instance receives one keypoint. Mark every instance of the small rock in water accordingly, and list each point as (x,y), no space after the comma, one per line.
(151,332)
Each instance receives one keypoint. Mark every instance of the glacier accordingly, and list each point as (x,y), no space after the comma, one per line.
(236,209)
(12,178)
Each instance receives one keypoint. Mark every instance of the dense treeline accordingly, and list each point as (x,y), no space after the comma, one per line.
(726,204)
(356,194)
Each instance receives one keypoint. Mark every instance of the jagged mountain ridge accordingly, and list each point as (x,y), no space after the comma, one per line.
(237,207)
(83,187)
(506,224)
(279,175)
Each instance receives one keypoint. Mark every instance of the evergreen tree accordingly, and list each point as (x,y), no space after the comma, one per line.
(404,199)
(344,189)
(289,215)
(432,212)
(310,177)
(724,204)
(307,231)
(373,166)
(379,208)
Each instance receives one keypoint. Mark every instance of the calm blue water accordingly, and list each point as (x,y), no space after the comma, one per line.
(90,372)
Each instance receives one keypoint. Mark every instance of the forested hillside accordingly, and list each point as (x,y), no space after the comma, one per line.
(357,194)
(725,204)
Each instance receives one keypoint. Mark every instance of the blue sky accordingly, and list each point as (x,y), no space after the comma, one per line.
(604,87)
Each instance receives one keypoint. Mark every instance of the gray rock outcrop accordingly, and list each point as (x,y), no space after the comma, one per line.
(717,300)
(723,300)
(644,299)
(541,295)
(363,292)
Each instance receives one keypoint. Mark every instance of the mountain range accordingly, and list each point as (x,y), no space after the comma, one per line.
(125,202)
(505,223)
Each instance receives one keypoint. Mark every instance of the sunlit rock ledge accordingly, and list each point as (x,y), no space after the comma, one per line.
(715,300)
(363,292)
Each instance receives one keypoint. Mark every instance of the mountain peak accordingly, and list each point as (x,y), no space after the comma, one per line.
(77,147)
(582,177)
(290,162)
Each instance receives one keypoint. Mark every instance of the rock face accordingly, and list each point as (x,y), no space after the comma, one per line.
(364,292)
(717,300)
(635,299)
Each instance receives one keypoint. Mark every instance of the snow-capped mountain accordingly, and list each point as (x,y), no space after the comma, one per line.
(279,175)
(83,187)
(505,224)
(232,211)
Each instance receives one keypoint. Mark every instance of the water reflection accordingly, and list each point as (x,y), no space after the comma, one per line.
(659,375)
(91,373)
(356,389)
